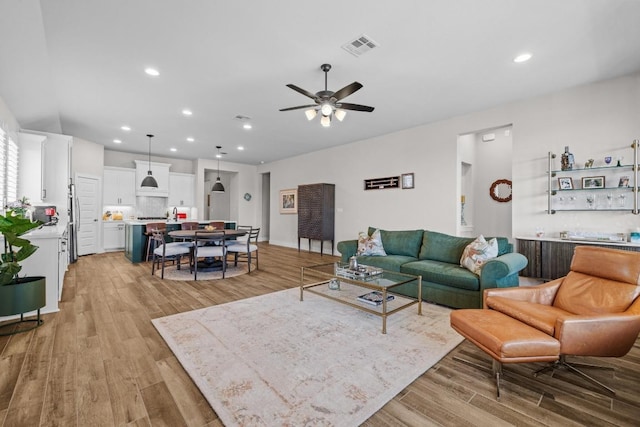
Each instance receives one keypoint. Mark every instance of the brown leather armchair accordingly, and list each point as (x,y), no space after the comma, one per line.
(593,311)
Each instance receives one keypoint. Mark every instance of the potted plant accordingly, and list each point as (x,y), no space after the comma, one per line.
(19,295)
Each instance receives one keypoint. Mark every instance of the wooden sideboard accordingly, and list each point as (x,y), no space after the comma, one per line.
(550,259)
(316,213)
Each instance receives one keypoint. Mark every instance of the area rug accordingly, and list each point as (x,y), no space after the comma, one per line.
(172,273)
(273,360)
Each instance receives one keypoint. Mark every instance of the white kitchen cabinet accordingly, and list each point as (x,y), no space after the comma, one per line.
(50,261)
(181,189)
(56,161)
(30,167)
(160,172)
(113,236)
(119,186)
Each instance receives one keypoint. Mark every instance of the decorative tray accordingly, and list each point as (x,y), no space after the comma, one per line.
(363,272)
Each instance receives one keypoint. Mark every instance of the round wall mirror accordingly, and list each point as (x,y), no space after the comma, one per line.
(500,190)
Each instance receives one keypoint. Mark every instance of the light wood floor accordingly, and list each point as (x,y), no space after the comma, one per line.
(99,361)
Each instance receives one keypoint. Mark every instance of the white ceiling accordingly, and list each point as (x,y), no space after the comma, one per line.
(77,66)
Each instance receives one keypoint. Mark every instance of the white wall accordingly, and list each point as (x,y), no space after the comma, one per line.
(594,120)
(242,179)
(87,157)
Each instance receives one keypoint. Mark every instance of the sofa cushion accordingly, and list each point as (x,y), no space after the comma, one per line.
(370,245)
(389,262)
(584,294)
(540,316)
(477,253)
(443,247)
(443,272)
(405,242)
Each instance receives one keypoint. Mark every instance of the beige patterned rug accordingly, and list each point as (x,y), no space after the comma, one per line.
(273,360)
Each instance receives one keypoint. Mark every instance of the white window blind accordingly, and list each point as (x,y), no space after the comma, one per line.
(9,152)
(3,167)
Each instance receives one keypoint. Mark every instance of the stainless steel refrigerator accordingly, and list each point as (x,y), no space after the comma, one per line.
(74,223)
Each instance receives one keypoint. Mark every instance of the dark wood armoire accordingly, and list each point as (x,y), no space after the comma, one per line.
(316,213)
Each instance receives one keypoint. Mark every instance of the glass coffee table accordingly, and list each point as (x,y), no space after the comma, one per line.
(368,289)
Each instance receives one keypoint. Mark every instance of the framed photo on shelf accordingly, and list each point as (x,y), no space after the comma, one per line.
(565,183)
(593,182)
(407,180)
(624,181)
(289,201)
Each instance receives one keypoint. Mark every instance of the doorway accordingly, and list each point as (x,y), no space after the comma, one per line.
(484,157)
(88,194)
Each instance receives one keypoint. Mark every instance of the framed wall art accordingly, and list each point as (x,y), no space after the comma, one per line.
(407,180)
(289,201)
(593,182)
(565,183)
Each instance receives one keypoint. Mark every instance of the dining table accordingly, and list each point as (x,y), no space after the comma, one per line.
(208,264)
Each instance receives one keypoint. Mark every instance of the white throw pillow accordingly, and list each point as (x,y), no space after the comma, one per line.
(477,253)
(370,245)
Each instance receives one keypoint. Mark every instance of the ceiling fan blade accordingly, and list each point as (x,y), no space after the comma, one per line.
(355,107)
(302,91)
(299,107)
(347,90)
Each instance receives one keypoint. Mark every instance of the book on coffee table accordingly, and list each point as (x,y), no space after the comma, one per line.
(374,298)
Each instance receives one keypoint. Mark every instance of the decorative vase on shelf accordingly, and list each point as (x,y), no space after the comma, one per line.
(567,160)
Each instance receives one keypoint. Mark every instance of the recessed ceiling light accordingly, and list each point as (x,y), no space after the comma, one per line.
(247,126)
(173,149)
(240,147)
(190,139)
(187,112)
(152,72)
(117,141)
(125,128)
(523,57)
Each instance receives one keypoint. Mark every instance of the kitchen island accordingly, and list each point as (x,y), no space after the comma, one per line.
(135,239)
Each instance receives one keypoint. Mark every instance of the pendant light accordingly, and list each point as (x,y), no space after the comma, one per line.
(149,180)
(218,187)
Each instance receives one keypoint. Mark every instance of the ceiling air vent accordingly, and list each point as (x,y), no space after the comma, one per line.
(360,45)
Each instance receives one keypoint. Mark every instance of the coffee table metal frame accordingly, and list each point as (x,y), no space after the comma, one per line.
(383,283)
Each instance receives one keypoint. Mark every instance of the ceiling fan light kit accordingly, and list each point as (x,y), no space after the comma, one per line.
(328,102)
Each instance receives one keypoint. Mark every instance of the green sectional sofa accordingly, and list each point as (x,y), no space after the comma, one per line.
(436,257)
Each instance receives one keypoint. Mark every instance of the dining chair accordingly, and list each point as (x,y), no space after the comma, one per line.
(245,246)
(149,228)
(209,244)
(163,251)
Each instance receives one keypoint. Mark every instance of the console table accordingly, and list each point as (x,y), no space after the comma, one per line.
(550,258)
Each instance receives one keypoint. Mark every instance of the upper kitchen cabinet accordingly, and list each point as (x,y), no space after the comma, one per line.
(160,172)
(181,189)
(45,167)
(30,167)
(119,186)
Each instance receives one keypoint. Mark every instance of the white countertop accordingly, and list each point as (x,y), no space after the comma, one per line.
(168,221)
(581,241)
(47,232)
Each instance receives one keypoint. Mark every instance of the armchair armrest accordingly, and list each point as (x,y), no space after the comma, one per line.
(347,249)
(540,294)
(502,271)
(606,335)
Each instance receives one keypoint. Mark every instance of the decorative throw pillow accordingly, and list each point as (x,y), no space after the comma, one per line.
(477,253)
(370,245)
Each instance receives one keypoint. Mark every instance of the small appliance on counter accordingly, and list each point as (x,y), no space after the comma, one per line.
(47,214)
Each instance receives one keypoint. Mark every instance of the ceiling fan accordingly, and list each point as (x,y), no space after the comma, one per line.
(328,102)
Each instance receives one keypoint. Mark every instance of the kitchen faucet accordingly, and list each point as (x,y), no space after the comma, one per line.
(175,214)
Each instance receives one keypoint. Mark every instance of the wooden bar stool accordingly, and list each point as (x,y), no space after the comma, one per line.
(150,228)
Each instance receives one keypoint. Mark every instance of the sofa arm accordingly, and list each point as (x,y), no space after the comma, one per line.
(347,249)
(502,271)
